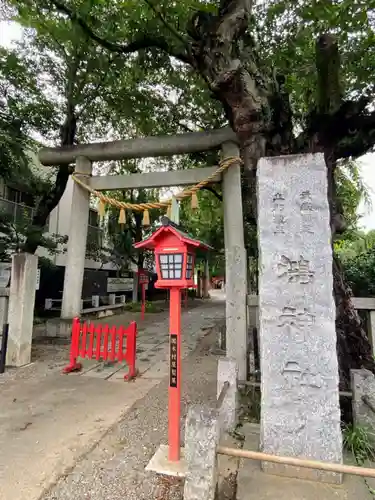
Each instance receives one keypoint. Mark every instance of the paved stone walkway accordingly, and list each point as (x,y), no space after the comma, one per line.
(48,421)
(153,342)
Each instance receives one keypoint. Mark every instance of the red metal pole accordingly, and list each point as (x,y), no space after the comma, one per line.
(143,310)
(174,402)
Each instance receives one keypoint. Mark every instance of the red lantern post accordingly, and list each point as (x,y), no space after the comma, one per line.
(175,258)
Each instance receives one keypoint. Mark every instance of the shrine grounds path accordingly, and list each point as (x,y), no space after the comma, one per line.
(78,435)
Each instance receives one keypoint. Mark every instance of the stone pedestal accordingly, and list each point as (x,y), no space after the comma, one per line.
(21,308)
(300,414)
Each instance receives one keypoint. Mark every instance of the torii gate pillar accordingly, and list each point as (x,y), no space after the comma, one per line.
(235,263)
(75,265)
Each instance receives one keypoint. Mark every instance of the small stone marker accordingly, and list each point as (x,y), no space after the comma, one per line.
(300,398)
(201,439)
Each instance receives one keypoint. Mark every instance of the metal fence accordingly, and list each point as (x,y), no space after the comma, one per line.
(95,236)
(18,212)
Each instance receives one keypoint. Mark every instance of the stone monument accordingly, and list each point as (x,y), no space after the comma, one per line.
(300,413)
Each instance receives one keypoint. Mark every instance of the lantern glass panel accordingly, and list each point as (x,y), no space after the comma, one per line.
(189,266)
(171,266)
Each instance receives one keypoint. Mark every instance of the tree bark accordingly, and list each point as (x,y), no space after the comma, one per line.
(353,346)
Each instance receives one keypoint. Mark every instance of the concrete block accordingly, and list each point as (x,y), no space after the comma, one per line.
(21,308)
(58,327)
(105,314)
(112,299)
(227,371)
(95,300)
(363,388)
(160,464)
(300,413)
(201,439)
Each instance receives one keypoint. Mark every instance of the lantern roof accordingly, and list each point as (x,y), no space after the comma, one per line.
(170,227)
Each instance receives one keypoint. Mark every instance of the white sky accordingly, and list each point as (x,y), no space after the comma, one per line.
(10,32)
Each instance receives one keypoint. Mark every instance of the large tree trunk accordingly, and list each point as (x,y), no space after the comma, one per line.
(258,109)
(353,347)
(51,199)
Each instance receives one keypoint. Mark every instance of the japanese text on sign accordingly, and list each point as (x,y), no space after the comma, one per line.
(278,213)
(173,361)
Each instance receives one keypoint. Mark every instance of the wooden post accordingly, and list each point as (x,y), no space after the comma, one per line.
(174,376)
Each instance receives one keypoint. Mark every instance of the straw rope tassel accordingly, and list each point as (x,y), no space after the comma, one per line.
(146,218)
(194,201)
(122,216)
(101,208)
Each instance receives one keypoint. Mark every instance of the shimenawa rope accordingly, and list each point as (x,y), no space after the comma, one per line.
(145,207)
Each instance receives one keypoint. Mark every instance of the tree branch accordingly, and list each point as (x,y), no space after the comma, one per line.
(212,190)
(233,18)
(350,131)
(328,73)
(96,90)
(169,27)
(143,42)
(359,137)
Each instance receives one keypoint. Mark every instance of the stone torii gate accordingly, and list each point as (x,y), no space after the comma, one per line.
(236,269)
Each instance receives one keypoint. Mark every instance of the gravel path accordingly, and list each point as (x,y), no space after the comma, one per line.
(114,469)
